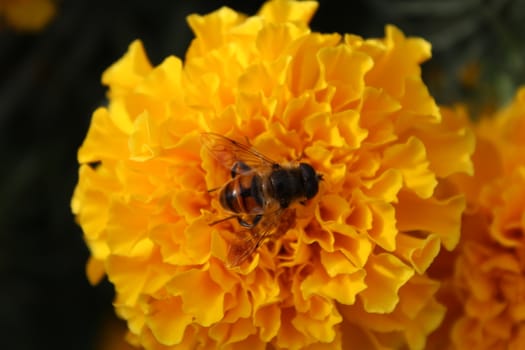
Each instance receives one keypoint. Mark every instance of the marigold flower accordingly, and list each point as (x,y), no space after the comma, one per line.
(352,270)
(27,15)
(488,280)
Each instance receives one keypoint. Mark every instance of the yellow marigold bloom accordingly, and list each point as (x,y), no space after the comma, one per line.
(489,278)
(351,273)
(27,15)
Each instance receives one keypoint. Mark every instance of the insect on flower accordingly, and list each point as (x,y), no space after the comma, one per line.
(259,194)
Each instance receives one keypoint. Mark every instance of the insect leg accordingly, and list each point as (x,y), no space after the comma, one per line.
(223,219)
(256,219)
(247,224)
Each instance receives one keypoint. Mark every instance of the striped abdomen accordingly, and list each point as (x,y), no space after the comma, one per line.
(243,194)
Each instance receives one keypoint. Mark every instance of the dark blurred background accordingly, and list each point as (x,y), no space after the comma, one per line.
(50,84)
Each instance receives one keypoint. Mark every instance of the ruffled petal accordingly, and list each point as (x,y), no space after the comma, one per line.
(168,321)
(387,274)
(193,286)
(288,11)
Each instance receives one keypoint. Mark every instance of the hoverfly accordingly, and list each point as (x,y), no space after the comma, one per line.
(259,193)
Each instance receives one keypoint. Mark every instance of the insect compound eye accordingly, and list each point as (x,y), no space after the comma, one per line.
(310,180)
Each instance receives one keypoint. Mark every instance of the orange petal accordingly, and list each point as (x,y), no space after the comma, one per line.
(268,320)
(343,69)
(419,252)
(228,333)
(383,231)
(385,275)
(342,288)
(133,277)
(410,159)
(194,286)
(442,217)
(167,320)
(95,270)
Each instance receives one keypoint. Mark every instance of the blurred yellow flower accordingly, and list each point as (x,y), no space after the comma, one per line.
(489,272)
(27,15)
(352,271)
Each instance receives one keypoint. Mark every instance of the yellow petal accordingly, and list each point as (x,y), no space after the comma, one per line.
(95,270)
(333,208)
(304,68)
(411,160)
(383,231)
(167,320)
(268,319)
(395,59)
(343,69)
(321,157)
(197,241)
(419,107)
(385,275)
(348,124)
(89,203)
(334,344)
(342,288)
(263,78)
(127,229)
(385,187)
(288,11)
(442,217)
(194,286)
(144,140)
(336,263)
(237,304)
(417,332)
(228,333)
(419,252)
(131,69)
(417,296)
(273,40)
(210,30)
(449,147)
(103,141)
(289,337)
(132,277)
(183,244)
(322,330)
(120,115)
(164,82)
(377,111)
(357,249)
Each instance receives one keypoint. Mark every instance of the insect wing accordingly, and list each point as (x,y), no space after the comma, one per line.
(241,249)
(275,224)
(247,241)
(229,152)
(272,226)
